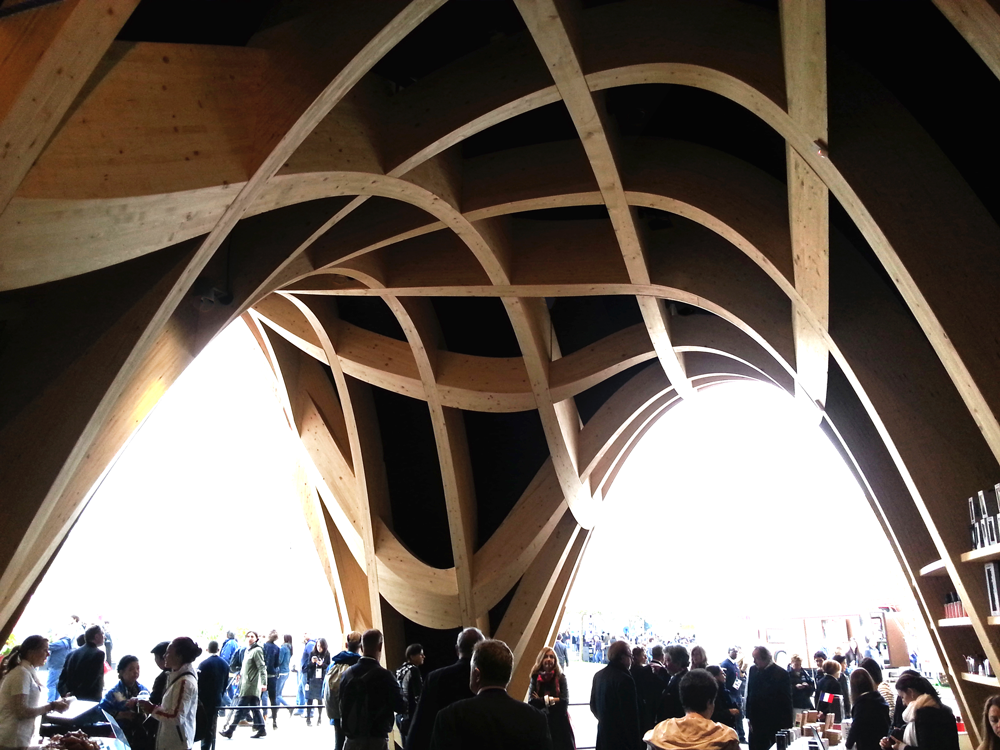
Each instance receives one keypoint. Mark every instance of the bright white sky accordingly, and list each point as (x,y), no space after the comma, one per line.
(735,504)
(727,508)
(197,528)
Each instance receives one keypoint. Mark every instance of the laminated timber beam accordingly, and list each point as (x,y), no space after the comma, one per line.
(344,188)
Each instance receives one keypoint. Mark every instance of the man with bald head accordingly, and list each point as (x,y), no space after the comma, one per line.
(613,701)
(443,687)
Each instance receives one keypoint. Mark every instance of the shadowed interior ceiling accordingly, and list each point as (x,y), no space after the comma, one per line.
(484,245)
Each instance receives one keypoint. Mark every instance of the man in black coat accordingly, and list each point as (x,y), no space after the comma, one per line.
(678,661)
(83,672)
(213,678)
(613,701)
(769,700)
(443,687)
(492,720)
(369,698)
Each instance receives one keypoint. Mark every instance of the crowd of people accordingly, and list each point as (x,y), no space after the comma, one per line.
(676,699)
(670,698)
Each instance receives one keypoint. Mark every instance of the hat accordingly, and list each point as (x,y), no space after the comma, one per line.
(160,648)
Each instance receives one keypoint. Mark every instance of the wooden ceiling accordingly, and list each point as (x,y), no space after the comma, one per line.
(484,246)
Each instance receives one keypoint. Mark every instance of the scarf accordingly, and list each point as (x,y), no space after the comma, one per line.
(548,684)
(910,715)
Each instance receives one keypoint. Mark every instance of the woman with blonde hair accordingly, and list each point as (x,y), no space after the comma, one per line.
(20,692)
(548,692)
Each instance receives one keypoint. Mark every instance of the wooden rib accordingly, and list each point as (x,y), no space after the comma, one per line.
(312,510)
(49,53)
(523,612)
(419,323)
(549,616)
(979,22)
(362,427)
(504,558)
(803,35)
(549,27)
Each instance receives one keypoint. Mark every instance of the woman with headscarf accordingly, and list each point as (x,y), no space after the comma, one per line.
(21,691)
(178,712)
(548,693)
(930,725)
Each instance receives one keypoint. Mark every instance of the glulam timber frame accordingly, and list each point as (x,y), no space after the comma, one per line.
(127,169)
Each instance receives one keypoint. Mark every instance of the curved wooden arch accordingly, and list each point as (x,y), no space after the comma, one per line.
(110,221)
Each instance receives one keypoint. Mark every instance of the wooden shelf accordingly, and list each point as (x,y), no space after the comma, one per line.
(983,554)
(935,569)
(979,680)
(955,622)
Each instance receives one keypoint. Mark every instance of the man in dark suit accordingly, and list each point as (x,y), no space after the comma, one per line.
(678,661)
(213,678)
(613,701)
(769,700)
(83,673)
(443,687)
(492,720)
(369,698)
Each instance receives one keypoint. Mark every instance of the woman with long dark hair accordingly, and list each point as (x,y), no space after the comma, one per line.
(869,713)
(991,724)
(21,691)
(177,712)
(317,671)
(930,725)
(548,693)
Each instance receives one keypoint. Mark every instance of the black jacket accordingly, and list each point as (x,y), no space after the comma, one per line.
(801,697)
(648,689)
(213,678)
(725,699)
(769,704)
(935,727)
(443,687)
(831,685)
(384,699)
(870,722)
(613,701)
(491,720)
(670,700)
(83,673)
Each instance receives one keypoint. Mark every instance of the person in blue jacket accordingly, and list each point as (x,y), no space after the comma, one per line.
(59,649)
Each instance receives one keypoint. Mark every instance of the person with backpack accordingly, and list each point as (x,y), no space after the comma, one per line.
(334,675)
(369,698)
(411,682)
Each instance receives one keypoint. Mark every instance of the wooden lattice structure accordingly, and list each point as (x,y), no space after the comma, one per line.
(484,247)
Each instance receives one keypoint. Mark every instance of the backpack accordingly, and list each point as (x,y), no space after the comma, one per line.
(202,717)
(356,720)
(402,672)
(334,675)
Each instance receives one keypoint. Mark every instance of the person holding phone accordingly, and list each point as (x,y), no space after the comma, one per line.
(930,725)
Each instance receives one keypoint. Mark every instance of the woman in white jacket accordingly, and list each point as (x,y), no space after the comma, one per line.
(177,713)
